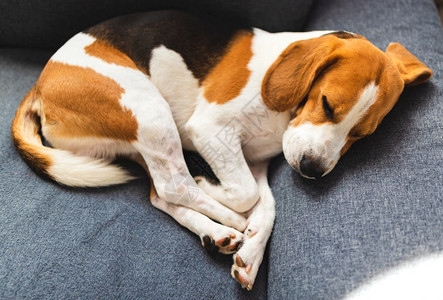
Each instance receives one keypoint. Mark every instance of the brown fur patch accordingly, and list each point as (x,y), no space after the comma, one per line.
(25,136)
(288,80)
(231,74)
(357,65)
(79,102)
(37,161)
(109,54)
(412,70)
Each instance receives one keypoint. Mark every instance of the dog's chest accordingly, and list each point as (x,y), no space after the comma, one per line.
(260,129)
(263,131)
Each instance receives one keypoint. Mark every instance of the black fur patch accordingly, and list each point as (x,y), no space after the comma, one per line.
(345,35)
(201,41)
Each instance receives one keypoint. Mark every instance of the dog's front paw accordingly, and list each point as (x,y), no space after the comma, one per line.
(248,258)
(224,240)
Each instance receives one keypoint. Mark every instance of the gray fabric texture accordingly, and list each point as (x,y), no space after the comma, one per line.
(41,23)
(107,243)
(382,204)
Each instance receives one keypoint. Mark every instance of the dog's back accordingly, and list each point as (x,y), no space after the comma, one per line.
(200,40)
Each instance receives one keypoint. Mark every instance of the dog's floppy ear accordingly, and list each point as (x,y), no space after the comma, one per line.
(289,79)
(411,69)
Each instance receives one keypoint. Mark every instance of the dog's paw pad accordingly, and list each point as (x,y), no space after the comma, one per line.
(234,247)
(227,245)
(224,242)
(240,271)
(240,263)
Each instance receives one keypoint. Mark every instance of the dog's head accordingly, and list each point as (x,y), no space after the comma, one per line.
(339,88)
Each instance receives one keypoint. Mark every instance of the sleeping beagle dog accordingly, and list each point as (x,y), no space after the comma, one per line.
(145,86)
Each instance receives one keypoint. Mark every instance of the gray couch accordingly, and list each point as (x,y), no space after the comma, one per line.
(381,207)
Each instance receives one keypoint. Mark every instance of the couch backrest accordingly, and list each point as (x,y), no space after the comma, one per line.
(43,23)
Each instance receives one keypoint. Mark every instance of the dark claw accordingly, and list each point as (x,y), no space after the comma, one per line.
(237,275)
(239,261)
(209,244)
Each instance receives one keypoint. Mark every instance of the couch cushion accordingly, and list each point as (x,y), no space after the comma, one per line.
(107,243)
(382,204)
(50,23)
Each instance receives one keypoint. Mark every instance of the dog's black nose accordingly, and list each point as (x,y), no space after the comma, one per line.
(310,168)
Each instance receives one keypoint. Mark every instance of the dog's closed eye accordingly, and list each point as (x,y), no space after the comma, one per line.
(329,112)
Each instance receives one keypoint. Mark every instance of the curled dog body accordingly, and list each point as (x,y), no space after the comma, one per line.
(147,86)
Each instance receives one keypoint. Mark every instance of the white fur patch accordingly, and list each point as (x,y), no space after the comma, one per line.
(177,85)
(102,148)
(324,142)
(138,88)
(83,171)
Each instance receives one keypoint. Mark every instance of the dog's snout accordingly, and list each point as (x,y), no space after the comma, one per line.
(311,168)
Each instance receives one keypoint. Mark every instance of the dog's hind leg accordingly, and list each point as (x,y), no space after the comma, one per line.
(214,236)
